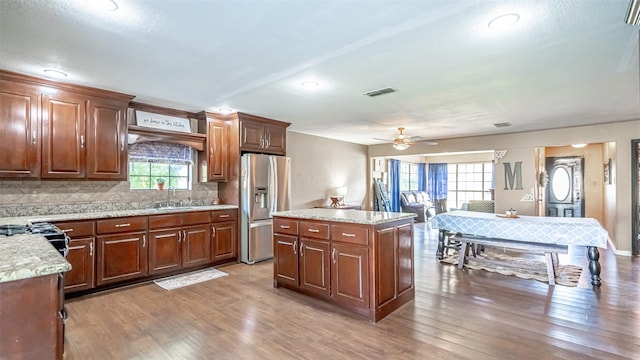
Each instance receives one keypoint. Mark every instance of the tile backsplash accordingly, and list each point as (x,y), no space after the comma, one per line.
(23,198)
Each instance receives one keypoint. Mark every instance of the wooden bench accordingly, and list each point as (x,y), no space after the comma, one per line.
(550,251)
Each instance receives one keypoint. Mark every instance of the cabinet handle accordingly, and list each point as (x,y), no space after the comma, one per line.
(91,249)
(314,230)
(184,235)
(333,255)
(301,249)
(67,230)
(285,227)
(33,137)
(295,247)
(213,231)
(127,224)
(122,145)
(348,235)
(144,241)
(81,141)
(224,216)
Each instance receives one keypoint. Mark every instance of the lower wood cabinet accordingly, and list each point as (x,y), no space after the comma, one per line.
(164,251)
(121,257)
(365,268)
(81,256)
(32,318)
(196,246)
(224,235)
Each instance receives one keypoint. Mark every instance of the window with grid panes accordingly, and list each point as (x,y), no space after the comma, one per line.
(468,181)
(408,176)
(149,161)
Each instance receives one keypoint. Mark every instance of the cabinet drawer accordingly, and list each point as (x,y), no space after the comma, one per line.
(76,229)
(350,234)
(165,221)
(285,226)
(193,218)
(119,225)
(314,230)
(224,215)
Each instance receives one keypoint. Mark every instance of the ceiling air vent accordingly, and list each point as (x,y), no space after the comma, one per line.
(504,124)
(383,91)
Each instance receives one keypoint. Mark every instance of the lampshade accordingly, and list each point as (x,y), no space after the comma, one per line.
(401,146)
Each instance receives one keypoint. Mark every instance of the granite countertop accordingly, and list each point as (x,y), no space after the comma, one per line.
(346,216)
(23,220)
(25,256)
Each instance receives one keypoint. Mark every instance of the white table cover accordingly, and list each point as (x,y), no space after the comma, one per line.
(548,230)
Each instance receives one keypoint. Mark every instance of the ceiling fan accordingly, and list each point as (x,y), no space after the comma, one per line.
(402,141)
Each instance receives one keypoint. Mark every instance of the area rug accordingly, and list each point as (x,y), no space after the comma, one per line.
(566,275)
(178,281)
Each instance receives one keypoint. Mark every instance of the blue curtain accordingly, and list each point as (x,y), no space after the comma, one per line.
(437,181)
(422,177)
(394,185)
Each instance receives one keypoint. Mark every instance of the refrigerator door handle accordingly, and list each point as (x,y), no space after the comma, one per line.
(273,185)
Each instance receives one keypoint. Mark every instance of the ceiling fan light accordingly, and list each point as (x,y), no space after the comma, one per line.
(401,146)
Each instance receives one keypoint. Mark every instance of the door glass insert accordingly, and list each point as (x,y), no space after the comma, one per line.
(561,183)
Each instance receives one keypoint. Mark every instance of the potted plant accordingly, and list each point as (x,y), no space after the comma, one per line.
(160,183)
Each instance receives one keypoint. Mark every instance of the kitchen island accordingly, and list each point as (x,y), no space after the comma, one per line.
(31,311)
(359,260)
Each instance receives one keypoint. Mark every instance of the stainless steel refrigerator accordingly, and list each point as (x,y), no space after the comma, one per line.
(264,188)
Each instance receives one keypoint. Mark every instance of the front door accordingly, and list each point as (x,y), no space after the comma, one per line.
(635,191)
(565,190)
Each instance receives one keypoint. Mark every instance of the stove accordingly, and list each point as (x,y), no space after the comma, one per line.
(56,237)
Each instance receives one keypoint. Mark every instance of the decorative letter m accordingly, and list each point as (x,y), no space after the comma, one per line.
(509,176)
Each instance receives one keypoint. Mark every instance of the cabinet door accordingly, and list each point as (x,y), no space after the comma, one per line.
(350,275)
(121,257)
(81,258)
(252,136)
(285,266)
(196,245)
(218,144)
(106,143)
(405,258)
(225,241)
(164,251)
(276,139)
(19,133)
(314,266)
(386,255)
(63,136)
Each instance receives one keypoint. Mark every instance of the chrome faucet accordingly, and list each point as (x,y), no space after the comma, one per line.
(171,188)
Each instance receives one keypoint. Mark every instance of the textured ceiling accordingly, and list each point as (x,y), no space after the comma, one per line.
(564,63)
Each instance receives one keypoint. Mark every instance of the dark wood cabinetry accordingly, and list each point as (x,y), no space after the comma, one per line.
(19,131)
(365,268)
(178,241)
(106,144)
(121,249)
(61,131)
(218,130)
(36,304)
(258,134)
(224,235)
(81,255)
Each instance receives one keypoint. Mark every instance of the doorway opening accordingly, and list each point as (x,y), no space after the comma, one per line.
(565,190)
(635,193)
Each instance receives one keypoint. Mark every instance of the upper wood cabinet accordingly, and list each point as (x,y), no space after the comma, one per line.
(258,134)
(51,130)
(19,131)
(216,156)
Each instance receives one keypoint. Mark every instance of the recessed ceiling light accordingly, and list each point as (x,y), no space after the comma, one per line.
(578,146)
(56,74)
(109,5)
(309,84)
(225,110)
(504,21)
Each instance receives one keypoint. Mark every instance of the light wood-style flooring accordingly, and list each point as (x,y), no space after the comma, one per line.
(468,314)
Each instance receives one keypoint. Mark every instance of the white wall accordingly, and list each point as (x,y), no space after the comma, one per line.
(319,165)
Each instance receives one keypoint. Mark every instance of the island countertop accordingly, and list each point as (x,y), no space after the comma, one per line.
(345,216)
(25,256)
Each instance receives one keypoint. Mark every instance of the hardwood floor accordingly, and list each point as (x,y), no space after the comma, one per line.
(468,314)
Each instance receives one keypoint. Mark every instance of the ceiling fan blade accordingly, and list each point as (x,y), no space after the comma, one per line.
(426,142)
(387,140)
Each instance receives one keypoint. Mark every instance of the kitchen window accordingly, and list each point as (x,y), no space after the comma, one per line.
(469,181)
(150,161)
